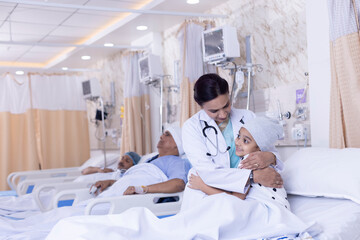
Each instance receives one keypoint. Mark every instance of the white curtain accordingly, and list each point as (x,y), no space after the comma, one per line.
(43,123)
(189,37)
(136,130)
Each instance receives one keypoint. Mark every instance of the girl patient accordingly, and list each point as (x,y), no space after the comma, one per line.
(258,134)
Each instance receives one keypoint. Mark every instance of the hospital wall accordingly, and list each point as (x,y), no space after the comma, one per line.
(289,39)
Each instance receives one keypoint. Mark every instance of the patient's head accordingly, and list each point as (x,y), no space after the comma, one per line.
(128,160)
(257,134)
(170,142)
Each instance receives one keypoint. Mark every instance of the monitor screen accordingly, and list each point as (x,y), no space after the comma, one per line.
(214,42)
(144,68)
(86,87)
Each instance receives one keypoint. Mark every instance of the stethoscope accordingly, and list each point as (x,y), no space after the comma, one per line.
(207,126)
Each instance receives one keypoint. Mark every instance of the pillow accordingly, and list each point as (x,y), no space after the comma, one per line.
(98,161)
(324,172)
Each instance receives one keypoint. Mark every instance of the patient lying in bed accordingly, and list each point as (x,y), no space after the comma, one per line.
(25,205)
(94,174)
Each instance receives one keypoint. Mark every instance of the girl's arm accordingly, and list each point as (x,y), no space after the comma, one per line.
(195,182)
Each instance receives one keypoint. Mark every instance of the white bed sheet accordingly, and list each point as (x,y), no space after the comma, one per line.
(339,218)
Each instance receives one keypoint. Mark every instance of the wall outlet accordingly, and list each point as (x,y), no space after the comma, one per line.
(300,132)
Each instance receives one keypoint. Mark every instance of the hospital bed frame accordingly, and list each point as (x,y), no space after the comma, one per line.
(73,193)
(27,186)
(65,194)
(15,178)
(150,201)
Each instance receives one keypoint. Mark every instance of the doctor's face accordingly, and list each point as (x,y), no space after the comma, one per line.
(125,162)
(219,108)
(245,143)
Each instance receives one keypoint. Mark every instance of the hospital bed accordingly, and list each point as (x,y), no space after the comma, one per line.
(62,191)
(323,186)
(25,181)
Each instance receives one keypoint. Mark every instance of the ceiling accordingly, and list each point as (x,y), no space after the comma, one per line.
(47,35)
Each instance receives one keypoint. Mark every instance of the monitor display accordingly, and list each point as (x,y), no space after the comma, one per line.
(144,68)
(220,44)
(86,87)
(214,42)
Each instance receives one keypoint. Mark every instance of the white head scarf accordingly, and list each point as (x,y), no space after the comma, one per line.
(265,132)
(176,134)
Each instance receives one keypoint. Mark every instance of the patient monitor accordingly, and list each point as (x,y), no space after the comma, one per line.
(150,68)
(219,44)
(91,89)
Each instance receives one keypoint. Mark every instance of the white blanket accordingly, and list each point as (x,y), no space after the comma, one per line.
(219,216)
(38,226)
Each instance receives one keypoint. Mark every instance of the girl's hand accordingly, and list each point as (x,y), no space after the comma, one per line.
(195,182)
(258,160)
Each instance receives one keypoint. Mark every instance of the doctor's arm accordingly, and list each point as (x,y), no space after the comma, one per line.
(259,159)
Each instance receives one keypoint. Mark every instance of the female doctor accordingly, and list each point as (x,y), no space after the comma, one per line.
(208,141)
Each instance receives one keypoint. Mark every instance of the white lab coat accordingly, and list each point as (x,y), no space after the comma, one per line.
(214,170)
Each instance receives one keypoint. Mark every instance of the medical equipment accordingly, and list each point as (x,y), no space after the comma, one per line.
(207,126)
(93,190)
(220,44)
(91,89)
(150,68)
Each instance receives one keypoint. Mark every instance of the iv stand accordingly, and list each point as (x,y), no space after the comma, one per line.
(103,138)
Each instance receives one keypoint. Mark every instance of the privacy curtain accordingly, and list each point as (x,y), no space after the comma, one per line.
(189,37)
(136,128)
(43,123)
(345,73)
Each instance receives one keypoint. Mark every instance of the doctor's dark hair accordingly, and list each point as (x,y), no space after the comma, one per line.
(208,87)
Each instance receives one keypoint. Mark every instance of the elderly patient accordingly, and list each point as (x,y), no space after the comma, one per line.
(128,160)
(168,161)
(165,173)
(93,174)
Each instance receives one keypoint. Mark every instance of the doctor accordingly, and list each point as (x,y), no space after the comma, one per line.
(208,141)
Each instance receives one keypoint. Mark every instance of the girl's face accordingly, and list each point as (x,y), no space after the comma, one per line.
(219,108)
(245,143)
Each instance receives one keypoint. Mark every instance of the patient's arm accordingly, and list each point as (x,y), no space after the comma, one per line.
(195,182)
(90,170)
(170,186)
(102,185)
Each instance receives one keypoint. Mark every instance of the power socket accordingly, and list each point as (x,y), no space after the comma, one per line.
(300,132)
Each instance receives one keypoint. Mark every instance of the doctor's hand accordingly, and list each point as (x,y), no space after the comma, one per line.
(195,182)
(268,177)
(258,160)
(102,185)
